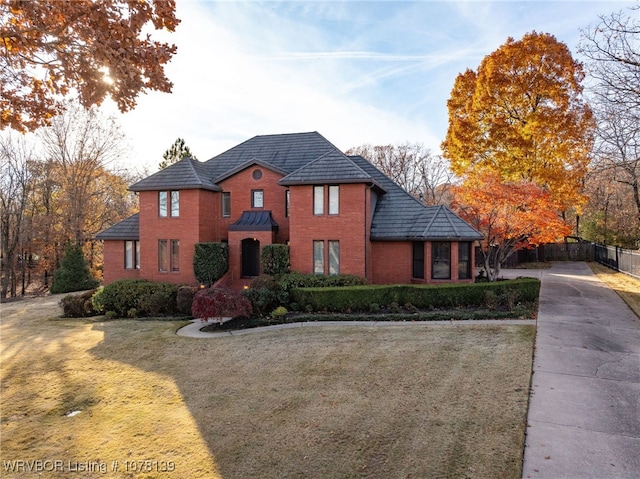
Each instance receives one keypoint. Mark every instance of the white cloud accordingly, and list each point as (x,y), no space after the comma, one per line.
(357,72)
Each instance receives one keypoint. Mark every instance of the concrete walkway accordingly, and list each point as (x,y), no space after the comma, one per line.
(193,330)
(584,411)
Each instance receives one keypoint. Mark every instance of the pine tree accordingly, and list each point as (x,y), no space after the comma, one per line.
(177,152)
(73,273)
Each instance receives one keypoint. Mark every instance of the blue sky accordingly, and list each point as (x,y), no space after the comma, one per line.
(356,71)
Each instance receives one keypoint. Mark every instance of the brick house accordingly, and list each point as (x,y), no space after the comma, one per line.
(337,213)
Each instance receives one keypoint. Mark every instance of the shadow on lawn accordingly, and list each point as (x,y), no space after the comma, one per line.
(273,405)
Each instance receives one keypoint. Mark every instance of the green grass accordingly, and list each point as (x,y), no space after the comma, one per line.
(427,401)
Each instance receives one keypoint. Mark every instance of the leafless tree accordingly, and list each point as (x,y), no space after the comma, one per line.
(612,50)
(412,166)
(16,155)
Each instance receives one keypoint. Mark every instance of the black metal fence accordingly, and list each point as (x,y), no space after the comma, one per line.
(625,260)
(620,259)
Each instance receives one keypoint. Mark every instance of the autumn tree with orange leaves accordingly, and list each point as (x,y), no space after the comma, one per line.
(51,49)
(520,136)
(510,214)
(522,115)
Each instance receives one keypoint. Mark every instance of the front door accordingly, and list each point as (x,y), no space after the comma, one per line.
(250,257)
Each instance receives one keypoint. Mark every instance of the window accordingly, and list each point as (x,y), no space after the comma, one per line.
(163,256)
(334,257)
(162,204)
(441,260)
(334,200)
(132,255)
(318,200)
(318,257)
(287,200)
(257,198)
(168,255)
(464,260)
(168,203)
(175,204)
(418,260)
(175,255)
(256,174)
(226,204)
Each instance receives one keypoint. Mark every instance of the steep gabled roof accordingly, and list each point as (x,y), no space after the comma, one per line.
(126,229)
(184,174)
(287,152)
(332,167)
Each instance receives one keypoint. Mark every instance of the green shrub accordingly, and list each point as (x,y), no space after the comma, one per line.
(148,298)
(275,259)
(265,294)
(360,298)
(78,306)
(97,300)
(279,313)
(300,280)
(73,273)
(210,262)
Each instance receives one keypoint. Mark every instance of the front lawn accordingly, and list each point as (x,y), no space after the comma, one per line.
(336,402)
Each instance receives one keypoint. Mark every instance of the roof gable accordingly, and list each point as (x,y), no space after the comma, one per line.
(248,164)
(184,174)
(286,152)
(332,167)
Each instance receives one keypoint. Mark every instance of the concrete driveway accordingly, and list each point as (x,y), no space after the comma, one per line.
(584,411)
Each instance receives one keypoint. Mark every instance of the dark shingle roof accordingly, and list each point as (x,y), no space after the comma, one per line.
(185,174)
(332,167)
(287,152)
(254,221)
(126,229)
(398,216)
(304,158)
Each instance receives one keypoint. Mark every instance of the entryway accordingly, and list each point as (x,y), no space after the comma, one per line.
(250,257)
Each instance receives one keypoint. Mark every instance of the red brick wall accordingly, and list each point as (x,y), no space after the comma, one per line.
(393,263)
(240,187)
(235,248)
(114,263)
(349,227)
(185,228)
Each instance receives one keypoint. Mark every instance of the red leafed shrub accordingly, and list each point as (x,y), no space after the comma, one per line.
(219,303)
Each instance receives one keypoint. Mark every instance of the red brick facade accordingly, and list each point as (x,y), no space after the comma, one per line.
(332,236)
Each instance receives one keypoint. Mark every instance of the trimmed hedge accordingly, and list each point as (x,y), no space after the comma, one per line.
(360,298)
(210,262)
(275,259)
(136,298)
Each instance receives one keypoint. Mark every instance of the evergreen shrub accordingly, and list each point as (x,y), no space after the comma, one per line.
(275,259)
(73,273)
(360,298)
(210,262)
(147,298)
